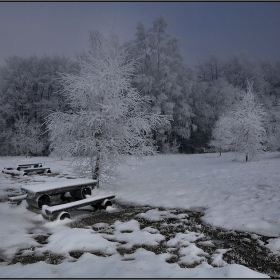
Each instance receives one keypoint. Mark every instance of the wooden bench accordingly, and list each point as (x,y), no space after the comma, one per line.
(12,171)
(40,194)
(18,198)
(8,168)
(38,170)
(28,165)
(59,211)
(25,169)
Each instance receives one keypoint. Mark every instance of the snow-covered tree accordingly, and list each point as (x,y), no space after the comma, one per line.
(211,100)
(243,129)
(239,69)
(26,138)
(107,117)
(210,69)
(222,134)
(29,90)
(271,100)
(163,77)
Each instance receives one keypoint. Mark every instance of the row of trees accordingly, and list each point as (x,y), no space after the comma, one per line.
(196,98)
(227,87)
(197,101)
(30,90)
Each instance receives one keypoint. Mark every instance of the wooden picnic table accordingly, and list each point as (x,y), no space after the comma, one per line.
(37,170)
(25,169)
(12,171)
(29,165)
(39,194)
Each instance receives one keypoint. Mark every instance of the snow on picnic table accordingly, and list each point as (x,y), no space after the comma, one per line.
(233,194)
(39,187)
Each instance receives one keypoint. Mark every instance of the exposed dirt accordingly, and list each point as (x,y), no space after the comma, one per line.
(245,249)
(48,257)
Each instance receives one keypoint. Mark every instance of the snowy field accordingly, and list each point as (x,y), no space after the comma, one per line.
(232,194)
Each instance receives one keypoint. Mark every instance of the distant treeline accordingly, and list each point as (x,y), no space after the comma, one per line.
(193,97)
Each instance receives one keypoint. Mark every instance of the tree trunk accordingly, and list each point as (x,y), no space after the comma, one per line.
(95,175)
(96,171)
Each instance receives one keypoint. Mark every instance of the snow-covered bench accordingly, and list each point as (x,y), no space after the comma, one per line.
(33,168)
(18,198)
(28,165)
(59,211)
(37,170)
(25,169)
(40,194)
(12,171)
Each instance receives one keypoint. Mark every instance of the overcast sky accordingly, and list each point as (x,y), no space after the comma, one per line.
(220,28)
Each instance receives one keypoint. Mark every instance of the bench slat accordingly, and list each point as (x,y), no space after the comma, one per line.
(36,168)
(28,170)
(17,198)
(50,210)
(28,164)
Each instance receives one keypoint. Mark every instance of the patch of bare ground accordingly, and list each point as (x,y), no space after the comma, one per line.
(243,248)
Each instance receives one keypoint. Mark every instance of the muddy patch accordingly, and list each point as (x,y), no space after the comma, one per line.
(28,256)
(235,247)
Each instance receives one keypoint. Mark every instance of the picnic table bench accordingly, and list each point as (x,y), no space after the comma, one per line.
(12,171)
(33,168)
(25,169)
(39,195)
(28,165)
(59,211)
(37,170)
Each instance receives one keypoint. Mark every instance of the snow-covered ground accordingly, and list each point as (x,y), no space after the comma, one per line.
(232,193)
(236,194)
